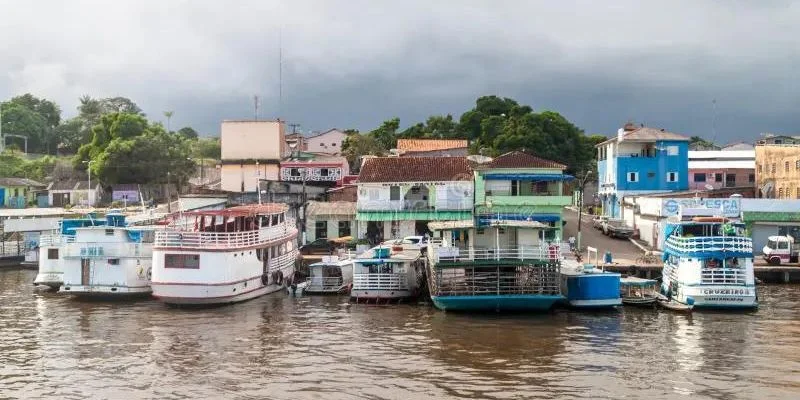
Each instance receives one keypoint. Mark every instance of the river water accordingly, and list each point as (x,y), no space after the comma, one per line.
(326,348)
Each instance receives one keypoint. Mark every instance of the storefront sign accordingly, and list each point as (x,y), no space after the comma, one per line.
(731,207)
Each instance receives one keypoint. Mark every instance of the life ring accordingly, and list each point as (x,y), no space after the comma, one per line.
(277,277)
(265,279)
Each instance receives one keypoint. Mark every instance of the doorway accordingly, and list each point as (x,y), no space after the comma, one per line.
(85,271)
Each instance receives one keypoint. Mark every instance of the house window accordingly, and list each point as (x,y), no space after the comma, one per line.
(415,190)
(798,192)
(321,229)
(395,229)
(16,192)
(672,150)
(514,188)
(188,261)
(773,168)
(786,166)
(633,177)
(294,171)
(718,177)
(323,172)
(751,178)
(700,177)
(394,193)
(759,167)
(672,176)
(52,254)
(780,193)
(333,144)
(344,228)
(539,187)
(113,261)
(730,180)
(797,164)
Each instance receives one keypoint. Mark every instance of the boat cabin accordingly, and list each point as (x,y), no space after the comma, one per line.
(331,275)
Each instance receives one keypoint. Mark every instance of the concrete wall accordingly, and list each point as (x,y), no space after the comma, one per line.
(332,227)
(242,140)
(784,160)
(233,175)
(329,142)
(742,177)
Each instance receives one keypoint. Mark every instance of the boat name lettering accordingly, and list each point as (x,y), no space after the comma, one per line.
(725,299)
(735,292)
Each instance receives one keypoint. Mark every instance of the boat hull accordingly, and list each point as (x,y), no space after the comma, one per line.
(177,294)
(717,297)
(591,290)
(51,279)
(496,303)
(105,291)
(362,295)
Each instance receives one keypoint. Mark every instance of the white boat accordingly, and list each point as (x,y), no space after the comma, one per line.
(330,276)
(708,261)
(51,270)
(111,260)
(388,273)
(224,256)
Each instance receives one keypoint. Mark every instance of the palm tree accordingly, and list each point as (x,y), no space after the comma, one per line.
(169,115)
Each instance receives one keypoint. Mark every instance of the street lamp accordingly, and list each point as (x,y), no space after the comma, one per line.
(580,205)
(293,142)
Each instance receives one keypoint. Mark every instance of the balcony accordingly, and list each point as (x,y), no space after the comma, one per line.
(224,240)
(414,205)
(451,254)
(702,244)
(532,200)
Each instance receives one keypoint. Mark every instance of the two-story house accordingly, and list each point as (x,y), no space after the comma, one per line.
(517,186)
(639,161)
(778,171)
(315,169)
(398,196)
(721,169)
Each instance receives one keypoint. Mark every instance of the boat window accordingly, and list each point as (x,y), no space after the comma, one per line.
(188,261)
(52,254)
(113,261)
(259,254)
(109,232)
(274,220)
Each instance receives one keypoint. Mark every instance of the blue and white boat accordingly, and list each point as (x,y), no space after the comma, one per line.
(387,273)
(51,249)
(708,261)
(507,266)
(586,286)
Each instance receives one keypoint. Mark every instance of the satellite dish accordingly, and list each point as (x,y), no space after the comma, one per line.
(709,187)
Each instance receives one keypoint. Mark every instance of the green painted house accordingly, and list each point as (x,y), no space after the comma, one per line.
(517,186)
(18,192)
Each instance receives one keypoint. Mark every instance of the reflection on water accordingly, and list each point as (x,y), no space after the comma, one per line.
(325,347)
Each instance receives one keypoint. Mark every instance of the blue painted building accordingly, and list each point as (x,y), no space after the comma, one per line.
(639,161)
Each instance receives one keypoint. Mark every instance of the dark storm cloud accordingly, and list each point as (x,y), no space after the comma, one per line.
(356,63)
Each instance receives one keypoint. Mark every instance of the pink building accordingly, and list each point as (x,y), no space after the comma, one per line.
(721,168)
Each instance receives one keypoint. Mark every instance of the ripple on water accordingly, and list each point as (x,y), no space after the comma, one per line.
(327,348)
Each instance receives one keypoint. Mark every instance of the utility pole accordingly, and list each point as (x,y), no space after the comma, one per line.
(255,107)
(580,205)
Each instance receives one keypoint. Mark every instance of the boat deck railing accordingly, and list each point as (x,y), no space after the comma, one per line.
(496,280)
(711,244)
(55,240)
(223,240)
(319,283)
(106,250)
(723,276)
(550,252)
(380,282)
(283,260)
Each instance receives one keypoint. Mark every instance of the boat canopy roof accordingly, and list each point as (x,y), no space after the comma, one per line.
(637,282)
(249,210)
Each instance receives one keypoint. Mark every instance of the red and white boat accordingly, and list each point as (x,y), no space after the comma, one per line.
(224,256)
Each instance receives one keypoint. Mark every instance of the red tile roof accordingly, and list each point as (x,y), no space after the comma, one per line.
(430,144)
(519,159)
(415,169)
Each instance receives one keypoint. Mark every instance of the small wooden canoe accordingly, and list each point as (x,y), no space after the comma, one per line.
(638,301)
(673,305)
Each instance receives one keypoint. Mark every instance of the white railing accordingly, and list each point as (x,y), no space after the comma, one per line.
(723,276)
(320,283)
(496,280)
(55,240)
(282,261)
(711,243)
(12,248)
(223,240)
(380,282)
(552,252)
(104,250)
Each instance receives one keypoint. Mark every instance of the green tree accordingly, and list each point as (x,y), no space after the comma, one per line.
(13,164)
(120,105)
(206,148)
(34,118)
(698,143)
(356,146)
(386,134)
(71,135)
(188,133)
(145,159)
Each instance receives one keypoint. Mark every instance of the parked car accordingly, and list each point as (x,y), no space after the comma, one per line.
(598,221)
(319,247)
(617,228)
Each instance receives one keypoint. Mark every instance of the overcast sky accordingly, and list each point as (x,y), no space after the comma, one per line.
(353,64)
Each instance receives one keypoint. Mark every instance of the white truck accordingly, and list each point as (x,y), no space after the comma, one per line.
(780,250)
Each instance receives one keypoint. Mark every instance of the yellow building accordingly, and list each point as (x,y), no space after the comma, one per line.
(251,150)
(778,171)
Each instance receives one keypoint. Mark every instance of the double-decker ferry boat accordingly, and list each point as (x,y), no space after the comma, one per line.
(507,266)
(51,270)
(708,261)
(388,273)
(110,260)
(224,256)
